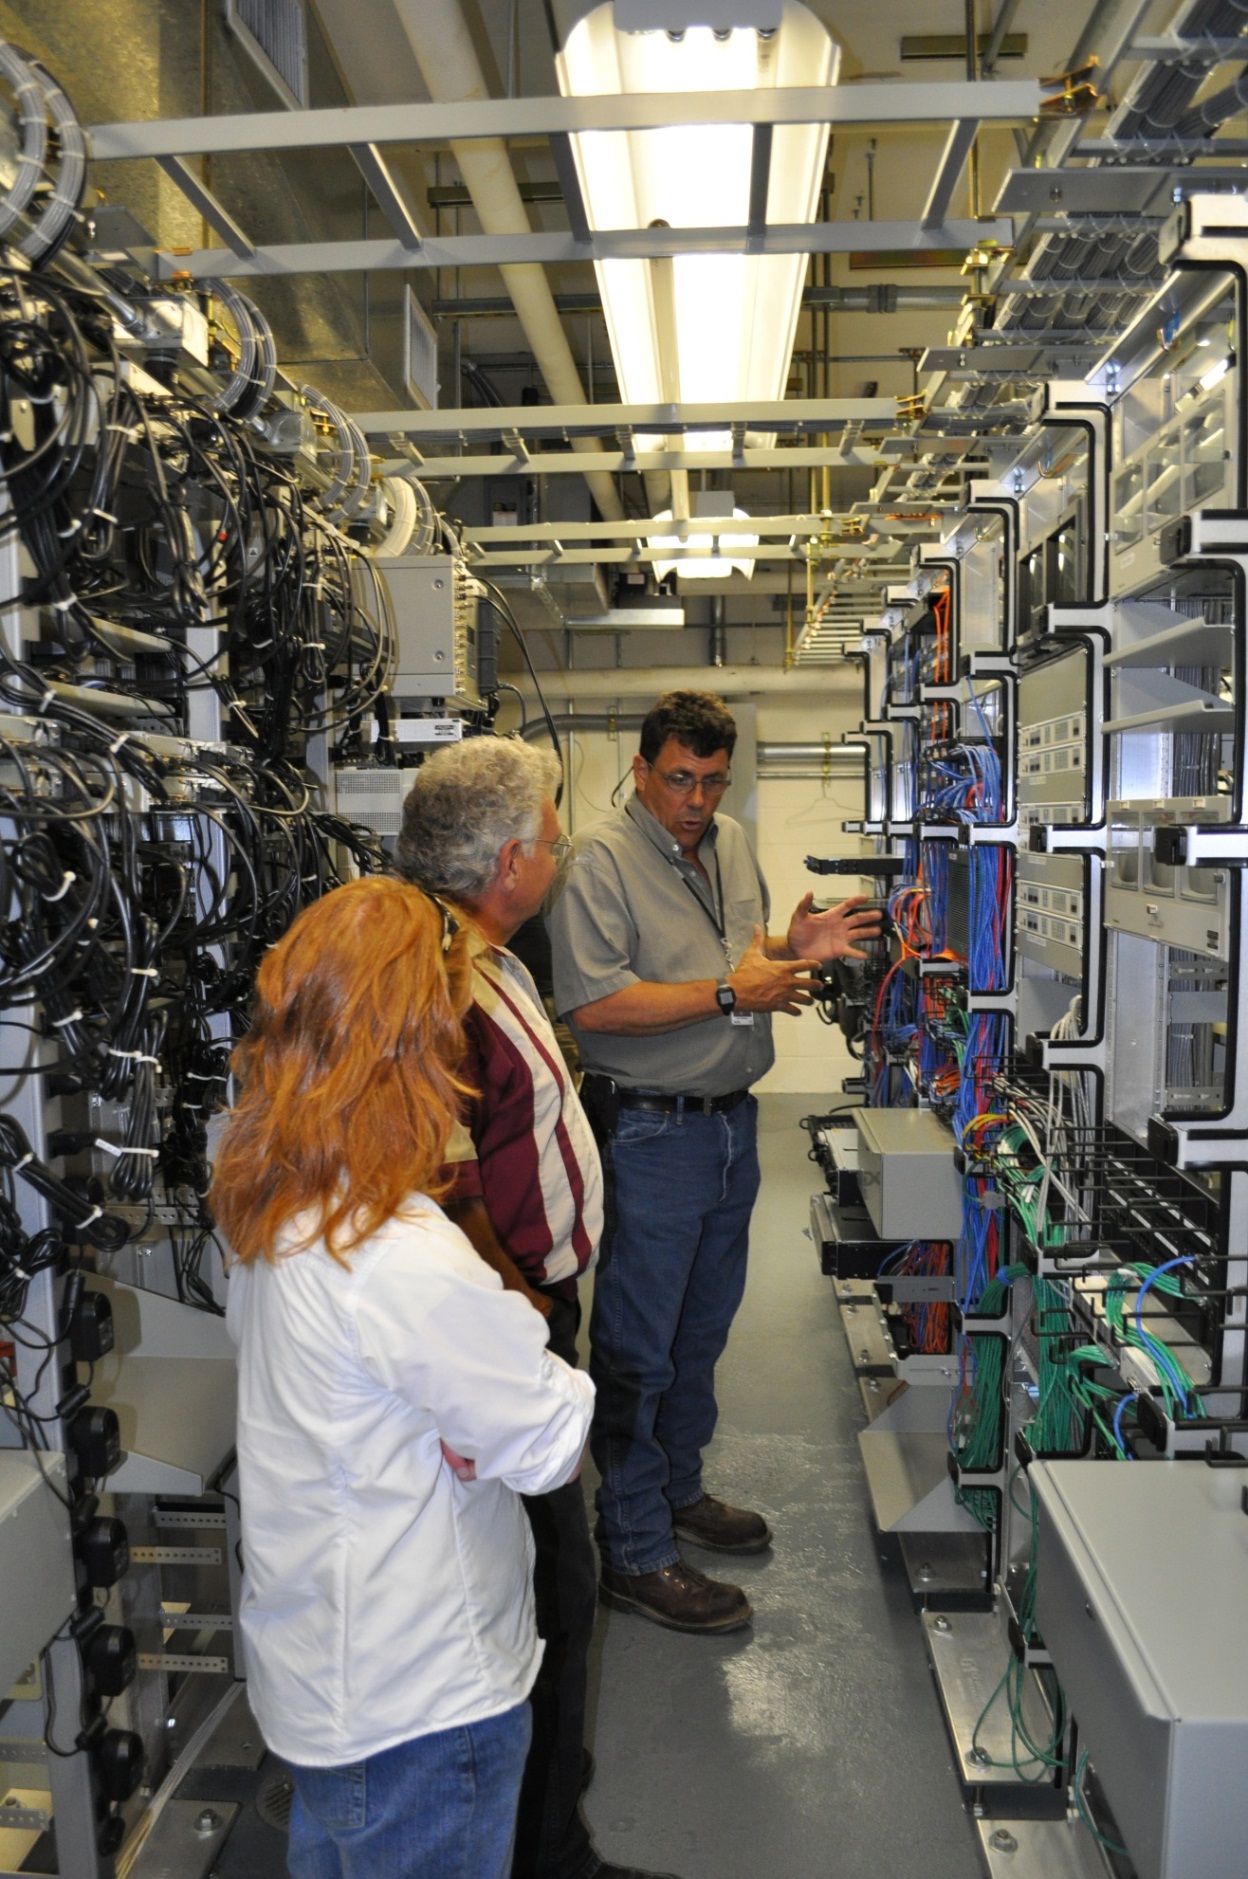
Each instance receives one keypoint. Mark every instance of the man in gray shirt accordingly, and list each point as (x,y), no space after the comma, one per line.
(666,974)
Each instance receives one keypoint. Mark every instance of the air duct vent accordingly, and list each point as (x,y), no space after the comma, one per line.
(275,35)
(420,353)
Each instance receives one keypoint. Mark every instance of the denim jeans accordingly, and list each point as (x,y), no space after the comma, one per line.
(440,1807)
(680,1190)
(552,1840)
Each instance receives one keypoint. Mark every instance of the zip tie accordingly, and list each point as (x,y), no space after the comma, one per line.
(73,1018)
(25,1162)
(96,1213)
(73,528)
(111,1148)
(63,606)
(103,515)
(49,698)
(115,746)
(133,1056)
(145,972)
(123,430)
(67,881)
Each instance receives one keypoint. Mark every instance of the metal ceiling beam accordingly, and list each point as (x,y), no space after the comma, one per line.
(625,556)
(962,134)
(617,462)
(760,181)
(214,212)
(570,184)
(782,414)
(390,198)
(640,529)
(546,250)
(1005,102)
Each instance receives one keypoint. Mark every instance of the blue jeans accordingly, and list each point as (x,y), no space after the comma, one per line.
(440,1807)
(680,1190)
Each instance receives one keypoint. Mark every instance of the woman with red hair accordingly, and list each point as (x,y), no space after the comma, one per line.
(387,1616)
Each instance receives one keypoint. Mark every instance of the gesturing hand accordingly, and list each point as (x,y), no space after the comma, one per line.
(831,935)
(763,984)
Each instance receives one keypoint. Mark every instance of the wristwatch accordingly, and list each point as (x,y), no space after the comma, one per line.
(725,998)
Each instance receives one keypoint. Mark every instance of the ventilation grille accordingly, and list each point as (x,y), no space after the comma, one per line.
(274,1802)
(373,797)
(275,34)
(420,353)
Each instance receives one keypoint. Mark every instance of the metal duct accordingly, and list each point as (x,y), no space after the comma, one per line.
(448,61)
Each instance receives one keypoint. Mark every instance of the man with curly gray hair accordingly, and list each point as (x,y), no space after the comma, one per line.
(481,834)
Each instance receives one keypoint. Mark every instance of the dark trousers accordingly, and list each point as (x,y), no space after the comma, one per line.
(552,1840)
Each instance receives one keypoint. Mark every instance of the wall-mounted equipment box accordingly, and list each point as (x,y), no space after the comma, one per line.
(1142,1601)
(435,602)
(905,1171)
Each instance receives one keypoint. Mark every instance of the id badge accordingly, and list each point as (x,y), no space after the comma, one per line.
(740,1017)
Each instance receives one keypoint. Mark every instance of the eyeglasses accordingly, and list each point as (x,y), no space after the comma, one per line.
(683,782)
(450,925)
(560,846)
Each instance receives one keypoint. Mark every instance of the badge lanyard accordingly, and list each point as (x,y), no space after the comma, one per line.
(717,921)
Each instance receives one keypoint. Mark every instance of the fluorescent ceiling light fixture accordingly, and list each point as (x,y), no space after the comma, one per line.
(698,328)
(1209,379)
(698,560)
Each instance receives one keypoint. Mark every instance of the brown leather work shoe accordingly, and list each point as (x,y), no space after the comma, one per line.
(723,1529)
(678,1596)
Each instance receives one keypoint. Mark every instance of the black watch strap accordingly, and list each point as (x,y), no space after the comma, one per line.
(725,998)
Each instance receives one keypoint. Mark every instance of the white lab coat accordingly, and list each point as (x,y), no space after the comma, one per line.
(384,1598)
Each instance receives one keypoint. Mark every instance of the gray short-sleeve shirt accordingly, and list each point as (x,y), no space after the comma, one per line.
(631,908)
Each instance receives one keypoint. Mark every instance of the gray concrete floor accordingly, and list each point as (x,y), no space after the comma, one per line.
(811,1745)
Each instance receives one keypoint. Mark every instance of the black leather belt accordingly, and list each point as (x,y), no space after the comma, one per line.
(670,1105)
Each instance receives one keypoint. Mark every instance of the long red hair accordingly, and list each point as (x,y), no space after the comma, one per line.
(348,1088)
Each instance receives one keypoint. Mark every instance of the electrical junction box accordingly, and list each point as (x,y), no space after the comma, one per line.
(434,601)
(906,1174)
(36,1560)
(1142,1602)
(1177,906)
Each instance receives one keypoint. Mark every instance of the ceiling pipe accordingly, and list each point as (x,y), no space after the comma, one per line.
(646,682)
(448,61)
(844,758)
(537,731)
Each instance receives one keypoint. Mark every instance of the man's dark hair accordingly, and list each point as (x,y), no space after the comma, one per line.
(698,720)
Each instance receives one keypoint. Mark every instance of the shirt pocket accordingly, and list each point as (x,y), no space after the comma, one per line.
(741,916)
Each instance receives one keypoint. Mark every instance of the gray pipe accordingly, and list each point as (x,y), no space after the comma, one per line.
(536,729)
